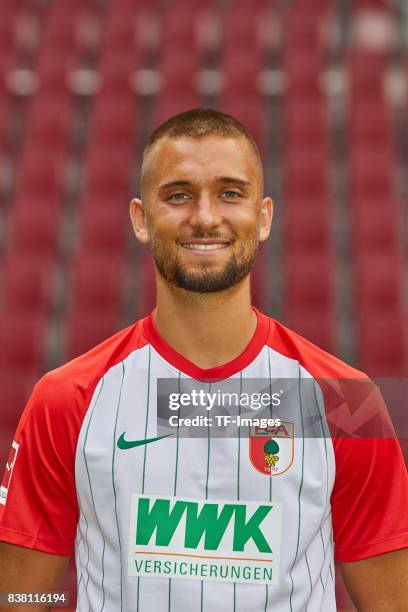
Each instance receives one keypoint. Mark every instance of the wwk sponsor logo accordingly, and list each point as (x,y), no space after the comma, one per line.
(236,541)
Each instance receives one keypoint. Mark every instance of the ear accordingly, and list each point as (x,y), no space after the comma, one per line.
(265,219)
(138,217)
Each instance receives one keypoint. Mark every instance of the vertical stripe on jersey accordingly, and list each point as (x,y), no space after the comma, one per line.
(93,501)
(239,457)
(300,491)
(144,454)
(206,491)
(175,469)
(327,478)
(113,484)
(86,540)
(270,477)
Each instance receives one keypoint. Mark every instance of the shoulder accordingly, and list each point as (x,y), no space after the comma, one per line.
(318,362)
(67,390)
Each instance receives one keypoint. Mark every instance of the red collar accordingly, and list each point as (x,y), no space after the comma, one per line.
(220,372)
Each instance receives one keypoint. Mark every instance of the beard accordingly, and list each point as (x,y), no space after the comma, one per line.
(206,278)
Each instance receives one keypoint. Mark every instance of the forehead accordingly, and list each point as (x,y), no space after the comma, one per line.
(201,159)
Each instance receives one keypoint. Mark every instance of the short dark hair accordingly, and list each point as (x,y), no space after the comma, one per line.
(198,122)
(201,122)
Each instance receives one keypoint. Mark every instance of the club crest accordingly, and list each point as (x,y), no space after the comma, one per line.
(271,449)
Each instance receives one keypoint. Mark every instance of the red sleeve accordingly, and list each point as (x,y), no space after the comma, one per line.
(369,499)
(370,493)
(38,506)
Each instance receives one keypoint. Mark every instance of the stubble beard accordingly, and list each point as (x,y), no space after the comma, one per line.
(206,279)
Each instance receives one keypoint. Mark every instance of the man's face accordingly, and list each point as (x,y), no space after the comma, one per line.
(203,211)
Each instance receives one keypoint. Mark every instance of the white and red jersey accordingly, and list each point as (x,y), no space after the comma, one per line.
(178,523)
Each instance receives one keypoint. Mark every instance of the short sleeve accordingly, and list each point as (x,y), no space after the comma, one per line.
(369,498)
(38,503)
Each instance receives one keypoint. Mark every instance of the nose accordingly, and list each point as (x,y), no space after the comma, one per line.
(205,213)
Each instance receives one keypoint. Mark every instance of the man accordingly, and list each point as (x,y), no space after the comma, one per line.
(167,522)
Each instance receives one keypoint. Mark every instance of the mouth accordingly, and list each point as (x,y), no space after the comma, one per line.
(206,246)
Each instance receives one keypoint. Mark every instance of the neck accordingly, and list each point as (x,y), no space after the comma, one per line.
(208,329)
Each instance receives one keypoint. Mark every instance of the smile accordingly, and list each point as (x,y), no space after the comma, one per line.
(206,247)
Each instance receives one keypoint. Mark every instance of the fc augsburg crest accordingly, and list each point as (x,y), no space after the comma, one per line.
(271,449)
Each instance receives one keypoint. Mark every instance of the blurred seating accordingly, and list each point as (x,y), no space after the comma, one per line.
(375,224)
(16,384)
(307,225)
(306,173)
(48,128)
(378,280)
(104,225)
(35,225)
(113,121)
(22,341)
(96,281)
(108,173)
(27,282)
(84,329)
(382,344)
(372,173)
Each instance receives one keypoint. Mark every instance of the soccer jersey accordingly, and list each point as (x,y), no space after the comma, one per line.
(167,522)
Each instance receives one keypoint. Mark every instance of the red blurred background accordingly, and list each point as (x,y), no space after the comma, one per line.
(321,84)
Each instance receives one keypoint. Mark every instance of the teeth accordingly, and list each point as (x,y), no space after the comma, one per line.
(205,247)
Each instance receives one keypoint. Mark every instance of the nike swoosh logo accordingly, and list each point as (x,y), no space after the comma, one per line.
(125,444)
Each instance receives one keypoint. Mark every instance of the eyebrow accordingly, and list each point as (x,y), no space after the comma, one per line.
(228,180)
(233,180)
(179,183)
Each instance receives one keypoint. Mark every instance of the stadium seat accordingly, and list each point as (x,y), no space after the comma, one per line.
(317,326)
(305,121)
(302,71)
(35,225)
(378,281)
(241,72)
(40,172)
(8,39)
(179,30)
(306,173)
(301,31)
(375,224)
(369,124)
(113,121)
(178,69)
(27,283)
(382,345)
(97,282)
(242,22)
(86,328)
(117,69)
(15,387)
(60,30)
(48,126)
(108,173)
(307,224)
(54,70)
(5,112)
(308,281)
(366,71)
(103,225)
(22,341)
(372,172)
